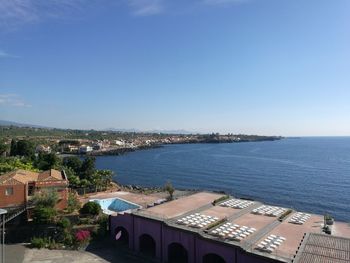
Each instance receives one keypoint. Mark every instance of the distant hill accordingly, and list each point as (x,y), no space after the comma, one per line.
(17,124)
(150,131)
(22,125)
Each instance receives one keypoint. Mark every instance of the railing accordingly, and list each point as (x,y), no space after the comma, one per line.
(16,212)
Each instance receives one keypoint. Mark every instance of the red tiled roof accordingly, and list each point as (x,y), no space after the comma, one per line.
(23,177)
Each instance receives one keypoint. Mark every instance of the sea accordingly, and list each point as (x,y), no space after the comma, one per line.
(310,174)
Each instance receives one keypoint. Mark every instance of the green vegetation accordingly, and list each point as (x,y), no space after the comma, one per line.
(64,223)
(3,147)
(23,148)
(38,242)
(170,189)
(91,208)
(44,211)
(8,164)
(80,173)
(44,215)
(220,199)
(214,224)
(83,174)
(46,199)
(73,203)
(285,214)
(46,161)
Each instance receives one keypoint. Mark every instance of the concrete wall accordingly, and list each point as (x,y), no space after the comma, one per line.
(125,221)
(197,246)
(187,240)
(204,247)
(149,227)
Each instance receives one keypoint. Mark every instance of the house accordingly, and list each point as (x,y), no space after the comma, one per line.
(18,187)
(85,149)
(119,142)
(43,149)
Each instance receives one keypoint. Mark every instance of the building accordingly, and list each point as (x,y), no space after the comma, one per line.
(205,228)
(43,149)
(18,187)
(85,149)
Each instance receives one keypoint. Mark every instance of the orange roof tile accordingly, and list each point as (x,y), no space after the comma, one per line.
(23,177)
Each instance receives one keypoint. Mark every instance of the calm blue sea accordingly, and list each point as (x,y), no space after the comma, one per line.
(308,174)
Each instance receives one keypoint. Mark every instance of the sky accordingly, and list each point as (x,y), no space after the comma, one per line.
(269,67)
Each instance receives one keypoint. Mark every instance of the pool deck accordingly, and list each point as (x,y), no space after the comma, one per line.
(141,199)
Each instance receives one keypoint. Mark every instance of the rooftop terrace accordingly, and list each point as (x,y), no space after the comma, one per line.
(250,225)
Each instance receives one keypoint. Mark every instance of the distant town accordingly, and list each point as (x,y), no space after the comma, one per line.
(92,142)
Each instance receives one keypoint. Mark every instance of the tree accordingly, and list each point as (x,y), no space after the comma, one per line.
(170,189)
(87,168)
(9,164)
(46,199)
(46,161)
(43,215)
(3,147)
(74,163)
(13,148)
(101,178)
(106,177)
(22,148)
(91,208)
(73,179)
(73,203)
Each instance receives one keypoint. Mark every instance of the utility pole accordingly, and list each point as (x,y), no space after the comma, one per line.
(3,212)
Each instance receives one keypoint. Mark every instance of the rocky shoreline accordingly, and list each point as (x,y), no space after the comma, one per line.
(124,150)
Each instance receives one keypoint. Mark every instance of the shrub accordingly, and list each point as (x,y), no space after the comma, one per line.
(73,203)
(103,222)
(46,199)
(221,199)
(86,221)
(64,223)
(82,237)
(91,208)
(168,187)
(68,239)
(44,215)
(38,242)
(285,214)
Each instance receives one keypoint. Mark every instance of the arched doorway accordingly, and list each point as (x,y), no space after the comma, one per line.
(147,245)
(213,258)
(177,253)
(121,236)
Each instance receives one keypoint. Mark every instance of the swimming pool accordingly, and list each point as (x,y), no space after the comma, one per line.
(112,205)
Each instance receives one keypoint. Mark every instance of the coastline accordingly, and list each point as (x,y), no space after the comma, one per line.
(125,150)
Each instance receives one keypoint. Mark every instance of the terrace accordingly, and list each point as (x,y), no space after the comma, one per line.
(238,228)
(181,206)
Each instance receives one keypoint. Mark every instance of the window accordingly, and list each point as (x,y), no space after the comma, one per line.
(31,189)
(9,191)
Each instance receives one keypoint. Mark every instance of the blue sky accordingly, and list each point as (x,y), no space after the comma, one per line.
(279,67)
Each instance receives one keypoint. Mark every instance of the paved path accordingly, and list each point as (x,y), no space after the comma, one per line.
(14,253)
(19,253)
(60,256)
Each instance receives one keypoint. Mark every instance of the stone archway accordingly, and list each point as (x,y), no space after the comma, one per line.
(213,258)
(147,245)
(177,253)
(123,240)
